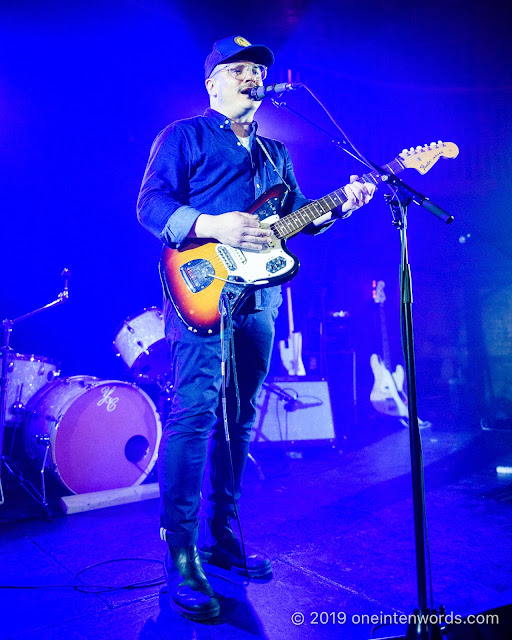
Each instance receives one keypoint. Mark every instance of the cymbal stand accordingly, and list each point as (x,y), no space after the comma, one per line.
(6,461)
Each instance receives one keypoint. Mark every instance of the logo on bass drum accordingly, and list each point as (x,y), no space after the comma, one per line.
(107,399)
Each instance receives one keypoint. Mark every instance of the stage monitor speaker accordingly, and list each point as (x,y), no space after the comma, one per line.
(292,410)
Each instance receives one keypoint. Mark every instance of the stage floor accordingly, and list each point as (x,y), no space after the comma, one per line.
(337,525)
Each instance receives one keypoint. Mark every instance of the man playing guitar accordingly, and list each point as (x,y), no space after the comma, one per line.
(202,176)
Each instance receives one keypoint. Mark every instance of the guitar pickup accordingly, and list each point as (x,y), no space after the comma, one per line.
(240,255)
(226,257)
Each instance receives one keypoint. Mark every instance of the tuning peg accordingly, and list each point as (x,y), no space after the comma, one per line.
(440,143)
(433,145)
(411,150)
(404,152)
(419,148)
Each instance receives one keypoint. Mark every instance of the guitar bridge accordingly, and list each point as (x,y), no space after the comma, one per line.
(197,274)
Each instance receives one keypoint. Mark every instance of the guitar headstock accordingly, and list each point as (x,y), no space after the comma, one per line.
(378,291)
(424,158)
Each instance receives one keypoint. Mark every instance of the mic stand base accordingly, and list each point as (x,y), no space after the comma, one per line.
(421,626)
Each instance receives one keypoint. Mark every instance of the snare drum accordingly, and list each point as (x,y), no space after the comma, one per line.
(101,434)
(26,374)
(141,344)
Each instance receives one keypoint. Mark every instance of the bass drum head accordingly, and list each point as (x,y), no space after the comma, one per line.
(102,434)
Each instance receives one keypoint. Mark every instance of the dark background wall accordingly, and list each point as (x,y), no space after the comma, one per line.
(84,89)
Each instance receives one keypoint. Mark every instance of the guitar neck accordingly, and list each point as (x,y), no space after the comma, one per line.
(291,327)
(386,356)
(294,222)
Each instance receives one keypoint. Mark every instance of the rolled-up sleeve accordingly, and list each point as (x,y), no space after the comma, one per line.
(163,203)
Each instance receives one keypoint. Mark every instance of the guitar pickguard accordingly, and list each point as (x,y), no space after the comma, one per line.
(257,268)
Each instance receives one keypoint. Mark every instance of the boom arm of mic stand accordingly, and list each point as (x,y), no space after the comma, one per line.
(417,197)
(388,178)
(281,393)
(61,299)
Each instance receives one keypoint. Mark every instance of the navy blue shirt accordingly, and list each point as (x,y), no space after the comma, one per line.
(199,166)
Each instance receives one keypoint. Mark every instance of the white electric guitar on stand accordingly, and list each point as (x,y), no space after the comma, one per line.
(291,349)
(387,395)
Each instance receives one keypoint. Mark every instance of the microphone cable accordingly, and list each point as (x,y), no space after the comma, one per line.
(228,363)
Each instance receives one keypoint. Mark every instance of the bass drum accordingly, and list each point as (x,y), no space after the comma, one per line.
(100,434)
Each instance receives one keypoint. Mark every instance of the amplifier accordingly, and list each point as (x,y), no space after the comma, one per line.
(293,409)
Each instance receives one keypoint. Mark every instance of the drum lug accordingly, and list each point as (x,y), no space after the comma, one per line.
(17,408)
(42,438)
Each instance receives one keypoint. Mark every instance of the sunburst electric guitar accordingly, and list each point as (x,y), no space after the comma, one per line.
(197,275)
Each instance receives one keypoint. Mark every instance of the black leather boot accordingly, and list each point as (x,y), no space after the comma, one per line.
(226,552)
(190,592)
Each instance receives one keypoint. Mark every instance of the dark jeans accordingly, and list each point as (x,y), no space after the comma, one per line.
(185,447)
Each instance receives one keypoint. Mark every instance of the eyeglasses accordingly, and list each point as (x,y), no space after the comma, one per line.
(238,71)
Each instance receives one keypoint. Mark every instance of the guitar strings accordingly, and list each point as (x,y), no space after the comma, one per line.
(281,228)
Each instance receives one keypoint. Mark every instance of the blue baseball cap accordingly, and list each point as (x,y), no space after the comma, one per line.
(237,48)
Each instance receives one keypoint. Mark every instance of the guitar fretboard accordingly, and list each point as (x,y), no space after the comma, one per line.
(386,355)
(294,222)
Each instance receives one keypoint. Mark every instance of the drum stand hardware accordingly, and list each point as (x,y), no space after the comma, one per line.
(5,460)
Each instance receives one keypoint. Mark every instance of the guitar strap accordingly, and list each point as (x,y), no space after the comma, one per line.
(264,149)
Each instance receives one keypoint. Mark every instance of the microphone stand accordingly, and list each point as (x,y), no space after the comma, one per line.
(424,624)
(6,461)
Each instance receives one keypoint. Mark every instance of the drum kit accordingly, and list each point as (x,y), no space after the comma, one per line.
(88,434)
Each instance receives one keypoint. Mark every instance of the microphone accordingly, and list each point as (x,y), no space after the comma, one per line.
(296,403)
(258,93)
